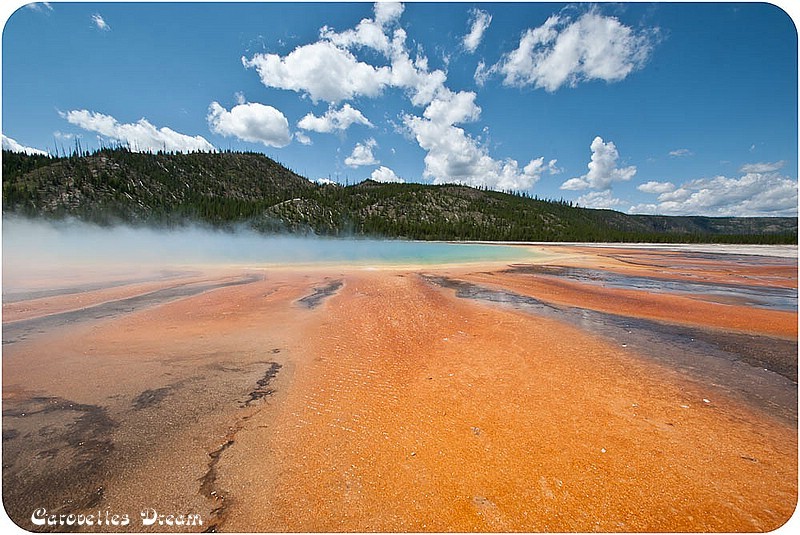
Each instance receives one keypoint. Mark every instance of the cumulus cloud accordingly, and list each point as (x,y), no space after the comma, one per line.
(405,72)
(101,24)
(479,21)
(599,199)
(362,154)
(452,108)
(334,119)
(140,136)
(680,153)
(328,70)
(455,157)
(386,12)
(752,194)
(384,174)
(252,122)
(321,70)
(762,167)
(552,168)
(369,32)
(414,75)
(564,51)
(603,170)
(13,146)
(656,187)
(302,138)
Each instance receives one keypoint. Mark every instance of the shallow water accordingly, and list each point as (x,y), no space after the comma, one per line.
(19,330)
(71,252)
(770,297)
(71,241)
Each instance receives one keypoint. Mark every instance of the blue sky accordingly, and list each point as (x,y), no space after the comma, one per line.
(640,107)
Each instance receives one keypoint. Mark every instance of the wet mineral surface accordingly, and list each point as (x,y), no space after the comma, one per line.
(591,389)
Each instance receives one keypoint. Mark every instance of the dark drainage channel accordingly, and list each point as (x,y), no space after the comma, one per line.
(758,296)
(320,294)
(762,369)
(20,330)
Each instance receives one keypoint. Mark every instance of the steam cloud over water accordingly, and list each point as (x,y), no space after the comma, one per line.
(63,247)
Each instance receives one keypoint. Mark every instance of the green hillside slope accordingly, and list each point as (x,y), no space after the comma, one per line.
(230,188)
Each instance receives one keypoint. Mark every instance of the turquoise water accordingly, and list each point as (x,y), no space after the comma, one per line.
(282,250)
(29,243)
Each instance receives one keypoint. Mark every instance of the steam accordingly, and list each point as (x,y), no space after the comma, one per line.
(73,249)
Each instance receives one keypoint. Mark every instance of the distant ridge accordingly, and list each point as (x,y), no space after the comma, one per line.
(227,189)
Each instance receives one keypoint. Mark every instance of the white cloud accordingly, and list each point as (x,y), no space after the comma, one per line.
(369,32)
(599,199)
(452,108)
(302,138)
(42,7)
(676,195)
(603,170)
(252,122)
(334,119)
(680,153)
(752,194)
(480,21)
(564,51)
(414,75)
(384,174)
(140,136)
(482,73)
(386,12)
(13,146)
(322,71)
(762,167)
(656,187)
(455,157)
(362,154)
(328,70)
(325,181)
(403,72)
(101,24)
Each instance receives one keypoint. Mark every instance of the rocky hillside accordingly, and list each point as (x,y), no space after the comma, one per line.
(229,188)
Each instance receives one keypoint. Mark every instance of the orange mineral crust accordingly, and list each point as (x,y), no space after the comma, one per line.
(691,305)
(753,269)
(688,309)
(418,412)
(435,399)
(22,308)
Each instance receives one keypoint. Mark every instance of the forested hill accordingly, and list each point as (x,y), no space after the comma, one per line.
(233,188)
